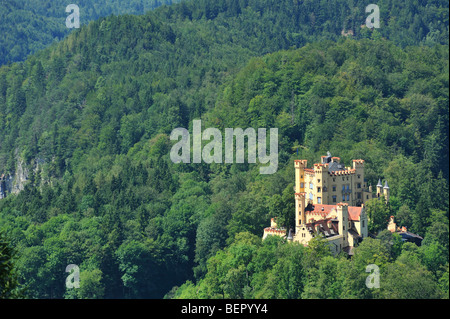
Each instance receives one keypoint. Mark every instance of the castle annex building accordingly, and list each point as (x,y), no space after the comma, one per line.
(329,201)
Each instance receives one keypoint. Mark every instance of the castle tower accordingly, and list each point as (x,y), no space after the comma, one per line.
(358,181)
(379,189)
(300,205)
(342,215)
(386,191)
(321,174)
(300,166)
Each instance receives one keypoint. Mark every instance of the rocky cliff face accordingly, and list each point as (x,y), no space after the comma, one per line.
(15,183)
(20,177)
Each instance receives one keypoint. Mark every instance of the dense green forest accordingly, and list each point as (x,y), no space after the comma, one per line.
(89,119)
(28,26)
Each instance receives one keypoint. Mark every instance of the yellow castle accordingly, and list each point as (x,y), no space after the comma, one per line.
(329,201)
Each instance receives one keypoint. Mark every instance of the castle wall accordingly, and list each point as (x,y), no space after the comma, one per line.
(336,244)
(347,186)
(338,187)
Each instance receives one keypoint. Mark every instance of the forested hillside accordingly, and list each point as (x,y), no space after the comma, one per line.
(345,98)
(28,26)
(87,122)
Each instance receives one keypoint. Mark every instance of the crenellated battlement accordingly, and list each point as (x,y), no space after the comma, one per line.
(300,163)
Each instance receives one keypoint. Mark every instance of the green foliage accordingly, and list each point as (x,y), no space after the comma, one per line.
(407,278)
(325,281)
(378,214)
(249,268)
(275,269)
(29,26)
(392,241)
(91,286)
(282,207)
(8,276)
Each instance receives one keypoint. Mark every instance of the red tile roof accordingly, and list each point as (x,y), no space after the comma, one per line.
(326,208)
(353,211)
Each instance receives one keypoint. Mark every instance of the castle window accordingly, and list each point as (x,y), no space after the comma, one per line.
(311,186)
(348,197)
(343,198)
(318,181)
(319,200)
(362,223)
(359,195)
(367,196)
(359,176)
(324,188)
(318,189)
(358,185)
(334,188)
(334,179)
(334,199)
(302,185)
(310,196)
